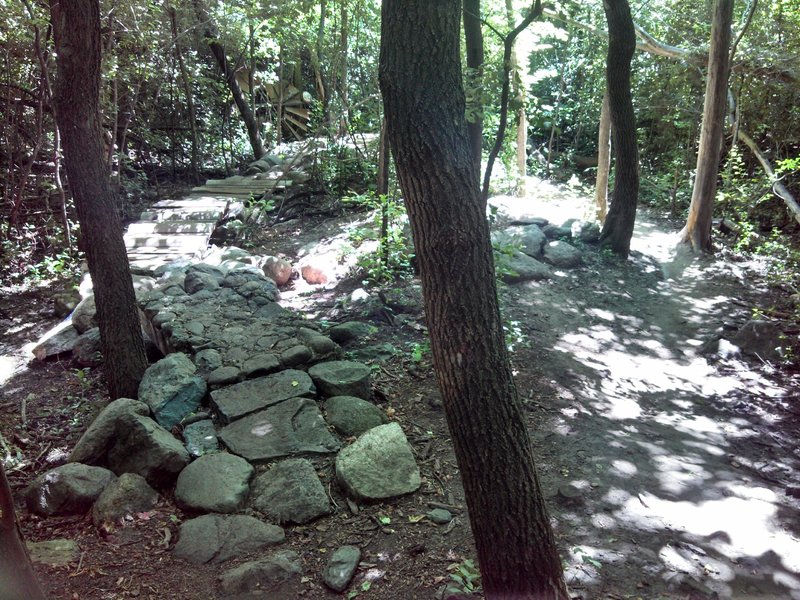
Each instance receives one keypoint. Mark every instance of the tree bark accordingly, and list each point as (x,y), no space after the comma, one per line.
(228,70)
(618,226)
(473,40)
(17,579)
(76,28)
(518,91)
(420,78)
(697,232)
(603,161)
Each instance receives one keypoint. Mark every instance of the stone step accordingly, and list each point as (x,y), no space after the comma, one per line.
(194,202)
(171,227)
(177,241)
(185,214)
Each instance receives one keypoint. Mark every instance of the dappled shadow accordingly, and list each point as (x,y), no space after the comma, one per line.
(677,467)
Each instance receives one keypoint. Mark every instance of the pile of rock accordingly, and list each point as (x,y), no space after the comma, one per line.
(233,419)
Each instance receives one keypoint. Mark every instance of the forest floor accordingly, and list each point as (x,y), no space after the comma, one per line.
(669,474)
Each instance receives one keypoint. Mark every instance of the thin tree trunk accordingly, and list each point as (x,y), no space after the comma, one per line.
(420,67)
(473,39)
(382,189)
(76,27)
(518,91)
(218,51)
(697,232)
(618,226)
(344,122)
(603,161)
(17,579)
(187,92)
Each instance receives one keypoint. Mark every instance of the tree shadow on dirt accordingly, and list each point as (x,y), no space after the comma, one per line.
(668,470)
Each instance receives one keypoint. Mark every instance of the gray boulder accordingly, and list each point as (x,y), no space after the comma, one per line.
(554,232)
(201,438)
(142,446)
(87,350)
(290,492)
(208,360)
(59,340)
(351,330)
(67,490)
(530,238)
(764,339)
(197,280)
(520,267)
(123,496)
(172,389)
(294,426)
(217,538)
(214,483)
(562,255)
(585,231)
(277,269)
(352,416)
(260,365)
(237,401)
(342,378)
(94,444)
(276,577)
(341,567)
(83,317)
(378,465)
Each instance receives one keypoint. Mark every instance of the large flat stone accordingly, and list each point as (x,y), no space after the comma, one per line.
(214,483)
(67,490)
(217,538)
(294,426)
(342,378)
(290,492)
(242,399)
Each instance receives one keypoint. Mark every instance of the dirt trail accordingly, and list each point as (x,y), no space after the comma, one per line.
(668,473)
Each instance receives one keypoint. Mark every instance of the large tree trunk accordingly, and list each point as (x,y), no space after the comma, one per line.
(603,161)
(17,579)
(697,231)
(420,77)
(473,40)
(618,226)
(76,27)
(229,71)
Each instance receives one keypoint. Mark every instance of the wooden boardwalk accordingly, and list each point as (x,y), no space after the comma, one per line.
(174,229)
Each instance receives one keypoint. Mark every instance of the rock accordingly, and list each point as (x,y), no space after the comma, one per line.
(351,330)
(67,490)
(55,553)
(217,538)
(214,483)
(86,350)
(126,495)
(260,365)
(570,496)
(374,354)
(198,280)
(101,435)
(530,238)
(224,376)
(342,378)
(761,338)
(208,360)
(201,438)
(237,401)
(585,231)
(296,356)
(83,317)
(562,255)
(58,340)
(352,416)
(276,577)
(142,446)
(290,492)
(520,267)
(65,302)
(406,299)
(553,232)
(341,567)
(378,465)
(294,426)
(277,269)
(316,274)
(440,516)
(171,389)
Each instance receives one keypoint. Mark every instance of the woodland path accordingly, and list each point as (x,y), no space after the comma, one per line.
(667,465)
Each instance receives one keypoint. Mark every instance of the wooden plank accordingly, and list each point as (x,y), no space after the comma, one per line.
(153,251)
(193,202)
(181,214)
(171,227)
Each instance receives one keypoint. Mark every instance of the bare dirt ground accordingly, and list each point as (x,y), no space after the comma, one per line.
(669,474)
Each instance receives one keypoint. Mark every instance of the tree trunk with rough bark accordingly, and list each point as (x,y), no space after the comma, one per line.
(76,27)
(420,78)
(618,227)
(603,161)
(17,579)
(473,40)
(697,232)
